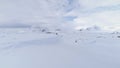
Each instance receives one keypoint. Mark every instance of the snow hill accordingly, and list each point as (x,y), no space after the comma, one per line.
(43,47)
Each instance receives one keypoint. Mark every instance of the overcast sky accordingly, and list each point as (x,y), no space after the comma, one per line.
(80,12)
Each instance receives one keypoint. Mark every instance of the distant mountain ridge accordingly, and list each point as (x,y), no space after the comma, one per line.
(14,25)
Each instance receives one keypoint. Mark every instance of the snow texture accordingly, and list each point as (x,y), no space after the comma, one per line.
(38,47)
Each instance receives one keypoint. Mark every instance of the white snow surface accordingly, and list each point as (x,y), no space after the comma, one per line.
(26,48)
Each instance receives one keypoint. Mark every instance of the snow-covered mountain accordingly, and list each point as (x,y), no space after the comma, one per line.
(14,25)
(91,28)
(59,34)
(42,47)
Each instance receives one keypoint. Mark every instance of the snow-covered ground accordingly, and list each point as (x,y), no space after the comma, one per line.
(27,48)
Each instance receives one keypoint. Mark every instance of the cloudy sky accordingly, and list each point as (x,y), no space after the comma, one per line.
(81,13)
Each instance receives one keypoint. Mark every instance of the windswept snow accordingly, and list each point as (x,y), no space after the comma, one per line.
(59,33)
(26,48)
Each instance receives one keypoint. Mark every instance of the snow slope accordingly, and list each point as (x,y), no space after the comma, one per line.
(25,48)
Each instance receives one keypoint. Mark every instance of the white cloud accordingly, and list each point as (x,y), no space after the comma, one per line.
(103,19)
(33,10)
(87,12)
(90,4)
(104,13)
